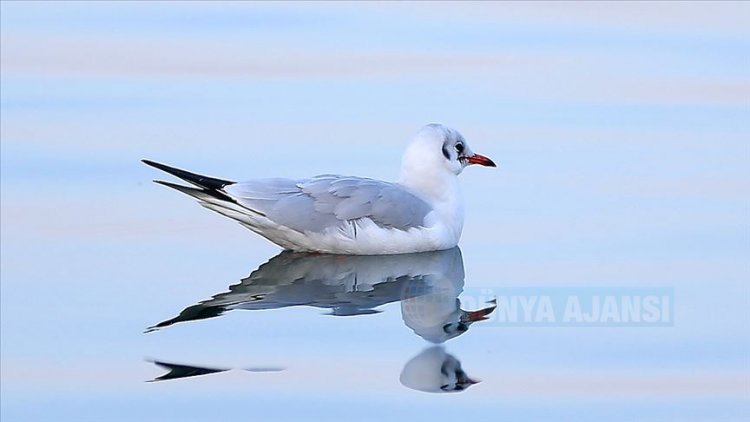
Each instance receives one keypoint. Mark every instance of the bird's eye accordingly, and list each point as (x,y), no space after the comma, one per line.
(460,147)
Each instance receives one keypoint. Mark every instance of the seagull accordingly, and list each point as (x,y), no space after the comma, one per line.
(350,215)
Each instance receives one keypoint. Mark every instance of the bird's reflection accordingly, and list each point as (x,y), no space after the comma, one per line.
(176,370)
(181,370)
(427,284)
(435,371)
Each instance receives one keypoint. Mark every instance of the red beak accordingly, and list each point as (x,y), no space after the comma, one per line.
(481,160)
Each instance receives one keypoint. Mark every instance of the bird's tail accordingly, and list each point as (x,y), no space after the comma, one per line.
(208,191)
(198,180)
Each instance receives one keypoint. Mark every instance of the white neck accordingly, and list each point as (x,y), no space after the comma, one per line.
(435,185)
(427,172)
(440,188)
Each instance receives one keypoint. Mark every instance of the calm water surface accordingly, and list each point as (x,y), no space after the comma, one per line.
(620,131)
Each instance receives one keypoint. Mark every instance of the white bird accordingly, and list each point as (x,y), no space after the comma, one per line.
(353,215)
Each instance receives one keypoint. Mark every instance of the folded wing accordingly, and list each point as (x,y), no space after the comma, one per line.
(327,202)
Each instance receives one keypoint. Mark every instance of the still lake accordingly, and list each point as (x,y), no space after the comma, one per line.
(613,236)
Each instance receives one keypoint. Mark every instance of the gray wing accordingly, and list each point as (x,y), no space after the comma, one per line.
(346,284)
(328,201)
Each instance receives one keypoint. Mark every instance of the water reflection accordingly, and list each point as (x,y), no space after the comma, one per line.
(176,370)
(427,284)
(435,371)
(179,370)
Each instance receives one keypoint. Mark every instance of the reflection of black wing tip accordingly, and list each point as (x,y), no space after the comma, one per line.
(191,313)
(177,371)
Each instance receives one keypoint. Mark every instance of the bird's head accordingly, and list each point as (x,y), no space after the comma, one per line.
(440,149)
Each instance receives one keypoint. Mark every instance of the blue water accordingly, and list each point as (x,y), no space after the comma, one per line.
(621,133)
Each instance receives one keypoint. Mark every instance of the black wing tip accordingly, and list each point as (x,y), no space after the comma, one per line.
(172,185)
(205,182)
(182,188)
(154,164)
(163,167)
(168,169)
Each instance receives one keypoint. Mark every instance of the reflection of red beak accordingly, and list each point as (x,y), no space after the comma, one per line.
(481,314)
(481,160)
(475,316)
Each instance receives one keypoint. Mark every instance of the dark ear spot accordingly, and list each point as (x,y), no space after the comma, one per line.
(446,153)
